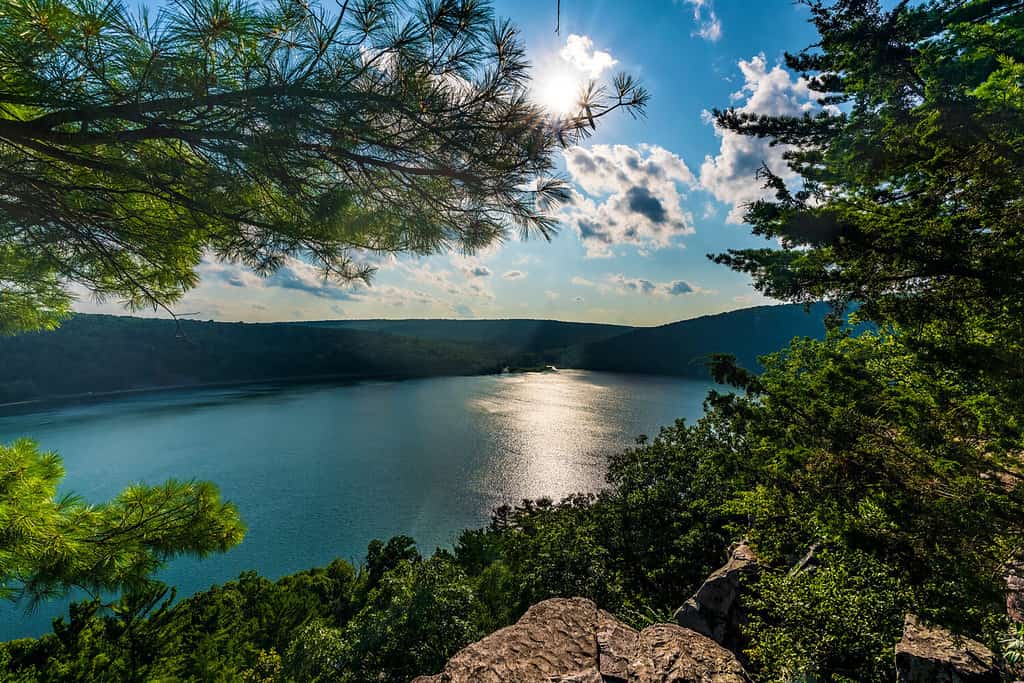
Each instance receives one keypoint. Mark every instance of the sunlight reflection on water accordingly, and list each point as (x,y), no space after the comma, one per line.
(552,435)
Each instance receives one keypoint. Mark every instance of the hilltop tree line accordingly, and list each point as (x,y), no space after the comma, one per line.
(895,453)
(115,353)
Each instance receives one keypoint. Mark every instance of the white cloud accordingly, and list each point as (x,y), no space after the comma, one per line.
(303,277)
(551,294)
(581,281)
(514,275)
(629,196)
(445,280)
(399,296)
(579,51)
(730,175)
(632,285)
(709,26)
(294,274)
(471,266)
(299,276)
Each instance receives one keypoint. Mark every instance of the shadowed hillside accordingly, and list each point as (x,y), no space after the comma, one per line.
(521,336)
(121,353)
(117,353)
(682,348)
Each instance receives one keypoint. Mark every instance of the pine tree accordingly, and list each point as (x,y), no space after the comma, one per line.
(131,145)
(910,181)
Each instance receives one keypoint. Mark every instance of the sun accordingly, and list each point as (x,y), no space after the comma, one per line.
(558,90)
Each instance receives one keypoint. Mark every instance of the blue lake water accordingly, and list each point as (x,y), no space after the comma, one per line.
(319,471)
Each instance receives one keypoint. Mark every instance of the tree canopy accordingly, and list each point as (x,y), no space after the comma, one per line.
(132,143)
(910,181)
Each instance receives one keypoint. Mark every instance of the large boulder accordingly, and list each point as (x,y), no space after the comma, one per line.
(667,653)
(572,641)
(930,654)
(716,609)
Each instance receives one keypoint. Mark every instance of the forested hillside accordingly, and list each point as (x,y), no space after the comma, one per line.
(112,353)
(520,335)
(683,348)
(119,353)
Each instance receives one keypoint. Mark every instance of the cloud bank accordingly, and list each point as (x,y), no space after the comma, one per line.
(630,196)
(624,284)
(730,174)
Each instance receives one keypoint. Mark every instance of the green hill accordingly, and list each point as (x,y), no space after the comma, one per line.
(682,348)
(512,335)
(97,354)
(100,353)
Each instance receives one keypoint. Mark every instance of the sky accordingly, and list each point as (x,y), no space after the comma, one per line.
(651,197)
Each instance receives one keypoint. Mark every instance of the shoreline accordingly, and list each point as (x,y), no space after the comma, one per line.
(40,404)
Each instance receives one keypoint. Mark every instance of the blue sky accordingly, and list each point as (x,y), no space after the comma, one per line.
(653,196)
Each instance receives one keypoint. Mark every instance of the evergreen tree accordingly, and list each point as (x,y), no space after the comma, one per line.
(50,543)
(910,181)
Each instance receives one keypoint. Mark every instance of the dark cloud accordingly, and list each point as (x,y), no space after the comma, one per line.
(637,285)
(590,230)
(305,278)
(583,161)
(641,201)
(677,287)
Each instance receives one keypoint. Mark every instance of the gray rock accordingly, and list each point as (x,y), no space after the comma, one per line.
(809,562)
(716,609)
(931,654)
(616,644)
(1015,592)
(572,641)
(668,653)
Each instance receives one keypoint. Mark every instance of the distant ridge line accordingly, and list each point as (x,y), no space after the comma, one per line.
(115,355)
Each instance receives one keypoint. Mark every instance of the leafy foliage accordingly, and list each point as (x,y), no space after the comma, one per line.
(131,144)
(836,621)
(900,450)
(51,543)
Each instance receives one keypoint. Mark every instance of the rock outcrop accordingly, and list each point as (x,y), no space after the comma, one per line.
(716,609)
(929,654)
(667,652)
(572,641)
(1015,591)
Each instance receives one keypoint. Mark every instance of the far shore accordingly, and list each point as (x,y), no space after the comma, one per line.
(32,405)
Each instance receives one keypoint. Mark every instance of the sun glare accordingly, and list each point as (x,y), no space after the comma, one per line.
(558,91)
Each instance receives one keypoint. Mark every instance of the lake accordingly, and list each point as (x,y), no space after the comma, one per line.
(318,471)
